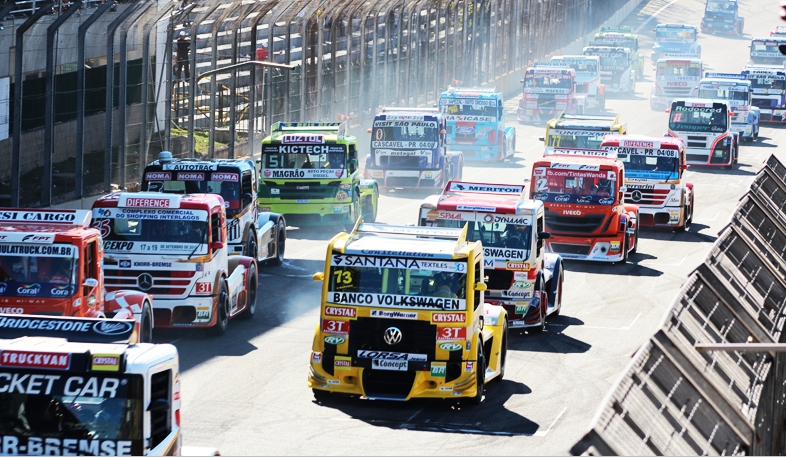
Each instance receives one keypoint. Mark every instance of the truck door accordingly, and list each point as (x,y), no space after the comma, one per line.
(161,416)
(90,271)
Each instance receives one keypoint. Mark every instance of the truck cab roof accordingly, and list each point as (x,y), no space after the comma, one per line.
(21,225)
(158,200)
(643,141)
(585,122)
(495,198)
(406,241)
(309,132)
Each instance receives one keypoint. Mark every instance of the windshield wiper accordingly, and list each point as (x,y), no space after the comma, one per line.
(201,240)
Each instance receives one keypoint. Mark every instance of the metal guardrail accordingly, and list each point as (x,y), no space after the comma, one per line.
(688,389)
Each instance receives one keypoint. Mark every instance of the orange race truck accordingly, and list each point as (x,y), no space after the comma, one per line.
(50,264)
(586,214)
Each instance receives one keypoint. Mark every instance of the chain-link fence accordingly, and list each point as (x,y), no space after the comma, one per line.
(675,400)
(96,88)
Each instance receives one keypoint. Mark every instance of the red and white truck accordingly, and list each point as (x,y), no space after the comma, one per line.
(175,248)
(586,213)
(549,89)
(50,264)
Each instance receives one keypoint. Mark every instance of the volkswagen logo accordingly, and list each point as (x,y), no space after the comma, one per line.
(392,336)
(144,281)
(636,195)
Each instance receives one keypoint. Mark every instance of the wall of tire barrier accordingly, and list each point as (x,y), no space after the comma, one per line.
(686,392)
(64,137)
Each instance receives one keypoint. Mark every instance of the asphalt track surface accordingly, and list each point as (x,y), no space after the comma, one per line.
(246,394)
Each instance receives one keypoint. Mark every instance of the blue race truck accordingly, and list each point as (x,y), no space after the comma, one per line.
(768,85)
(476,123)
(722,16)
(409,150)
(675,39)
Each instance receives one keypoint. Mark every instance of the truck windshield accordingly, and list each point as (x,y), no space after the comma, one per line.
(49,412)
(650,166)
(405,131)
(540,81)
(185,182)
(766,52)
(575,186)
(514,238)
(469,107)
(724,93)
(671,70)
(721,6)
(313,161)
(613,60)
(697,119)
(158,232)
(675,35)
(767,82)
(576,139)
(41,272)
(583,67)
(397,283)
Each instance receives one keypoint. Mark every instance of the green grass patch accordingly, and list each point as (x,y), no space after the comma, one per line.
(201,140)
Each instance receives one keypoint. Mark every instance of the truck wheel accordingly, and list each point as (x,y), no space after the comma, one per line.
(251,293)
(636,238)
(146,327)
(558,295)
(251,249)
(503,353)
(222,311)
(542,325)
(281,241)
(624,259)
(688,217)
(480,375)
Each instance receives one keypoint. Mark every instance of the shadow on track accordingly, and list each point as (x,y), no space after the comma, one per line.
(550,340)
(632,268)
(490,418)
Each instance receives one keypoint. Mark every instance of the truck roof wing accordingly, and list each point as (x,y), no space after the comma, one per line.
(594,117)
(395,109)
(462,187)
(623,29)
(725,76)
(552,151)
(667,56)
(73,329)
(60,217)
(366,228)
(675,26)
(472,89)
(338,128)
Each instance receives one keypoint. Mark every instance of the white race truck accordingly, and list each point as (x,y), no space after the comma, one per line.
(84,386)
(174,247)
(588,83)
(677,76)
(737,89)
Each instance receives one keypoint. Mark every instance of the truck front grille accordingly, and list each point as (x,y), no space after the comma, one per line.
(573,224)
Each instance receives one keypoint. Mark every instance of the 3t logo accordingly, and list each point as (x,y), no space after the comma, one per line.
(204,288)
(451,333)
(333,326)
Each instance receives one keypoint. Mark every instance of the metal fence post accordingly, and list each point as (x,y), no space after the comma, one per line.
(49,116)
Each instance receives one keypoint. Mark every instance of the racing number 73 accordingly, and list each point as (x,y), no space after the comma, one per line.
(342,276)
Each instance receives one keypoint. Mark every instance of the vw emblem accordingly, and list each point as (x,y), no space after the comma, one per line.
(392,336)
(144,281)
(636,195)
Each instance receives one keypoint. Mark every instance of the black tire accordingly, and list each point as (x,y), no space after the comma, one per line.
(558,293)
(222,311)
(281,244)
(480,375)
(542,326)
(636,237)
(688,218)
(503,354)
(251,249)
(251,293)
(146,326)
(321,396)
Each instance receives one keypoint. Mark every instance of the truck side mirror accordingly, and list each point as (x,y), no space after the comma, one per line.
(480,286)
(684,166)
(353,165)
(623,188)
(318,276)
(159,404)
(90,282)
(544,235)
(216,246)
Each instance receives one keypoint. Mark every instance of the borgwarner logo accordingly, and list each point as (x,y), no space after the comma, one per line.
(112,328)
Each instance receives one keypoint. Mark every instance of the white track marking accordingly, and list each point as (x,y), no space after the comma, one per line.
(544,432)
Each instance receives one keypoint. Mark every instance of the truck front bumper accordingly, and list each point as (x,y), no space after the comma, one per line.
(310,213)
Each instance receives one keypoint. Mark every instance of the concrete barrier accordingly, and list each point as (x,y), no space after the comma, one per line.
(676,397)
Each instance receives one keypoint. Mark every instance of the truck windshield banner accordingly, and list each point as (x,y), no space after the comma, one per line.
(152,214)
(304,173)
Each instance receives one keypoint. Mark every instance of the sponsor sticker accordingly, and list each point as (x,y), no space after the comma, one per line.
(340,311)
(190,176)
(231,177)
(393,314)
(29,359)
(366,354)
(525,266)
(390,365)
(469,367)
(158,176)
(334,340)
(105,362)
(451,333)
(614,246)
(342,363)
(445,318)
(316,357)
(450,347)
(521,309)
(335,326)
(438,369)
